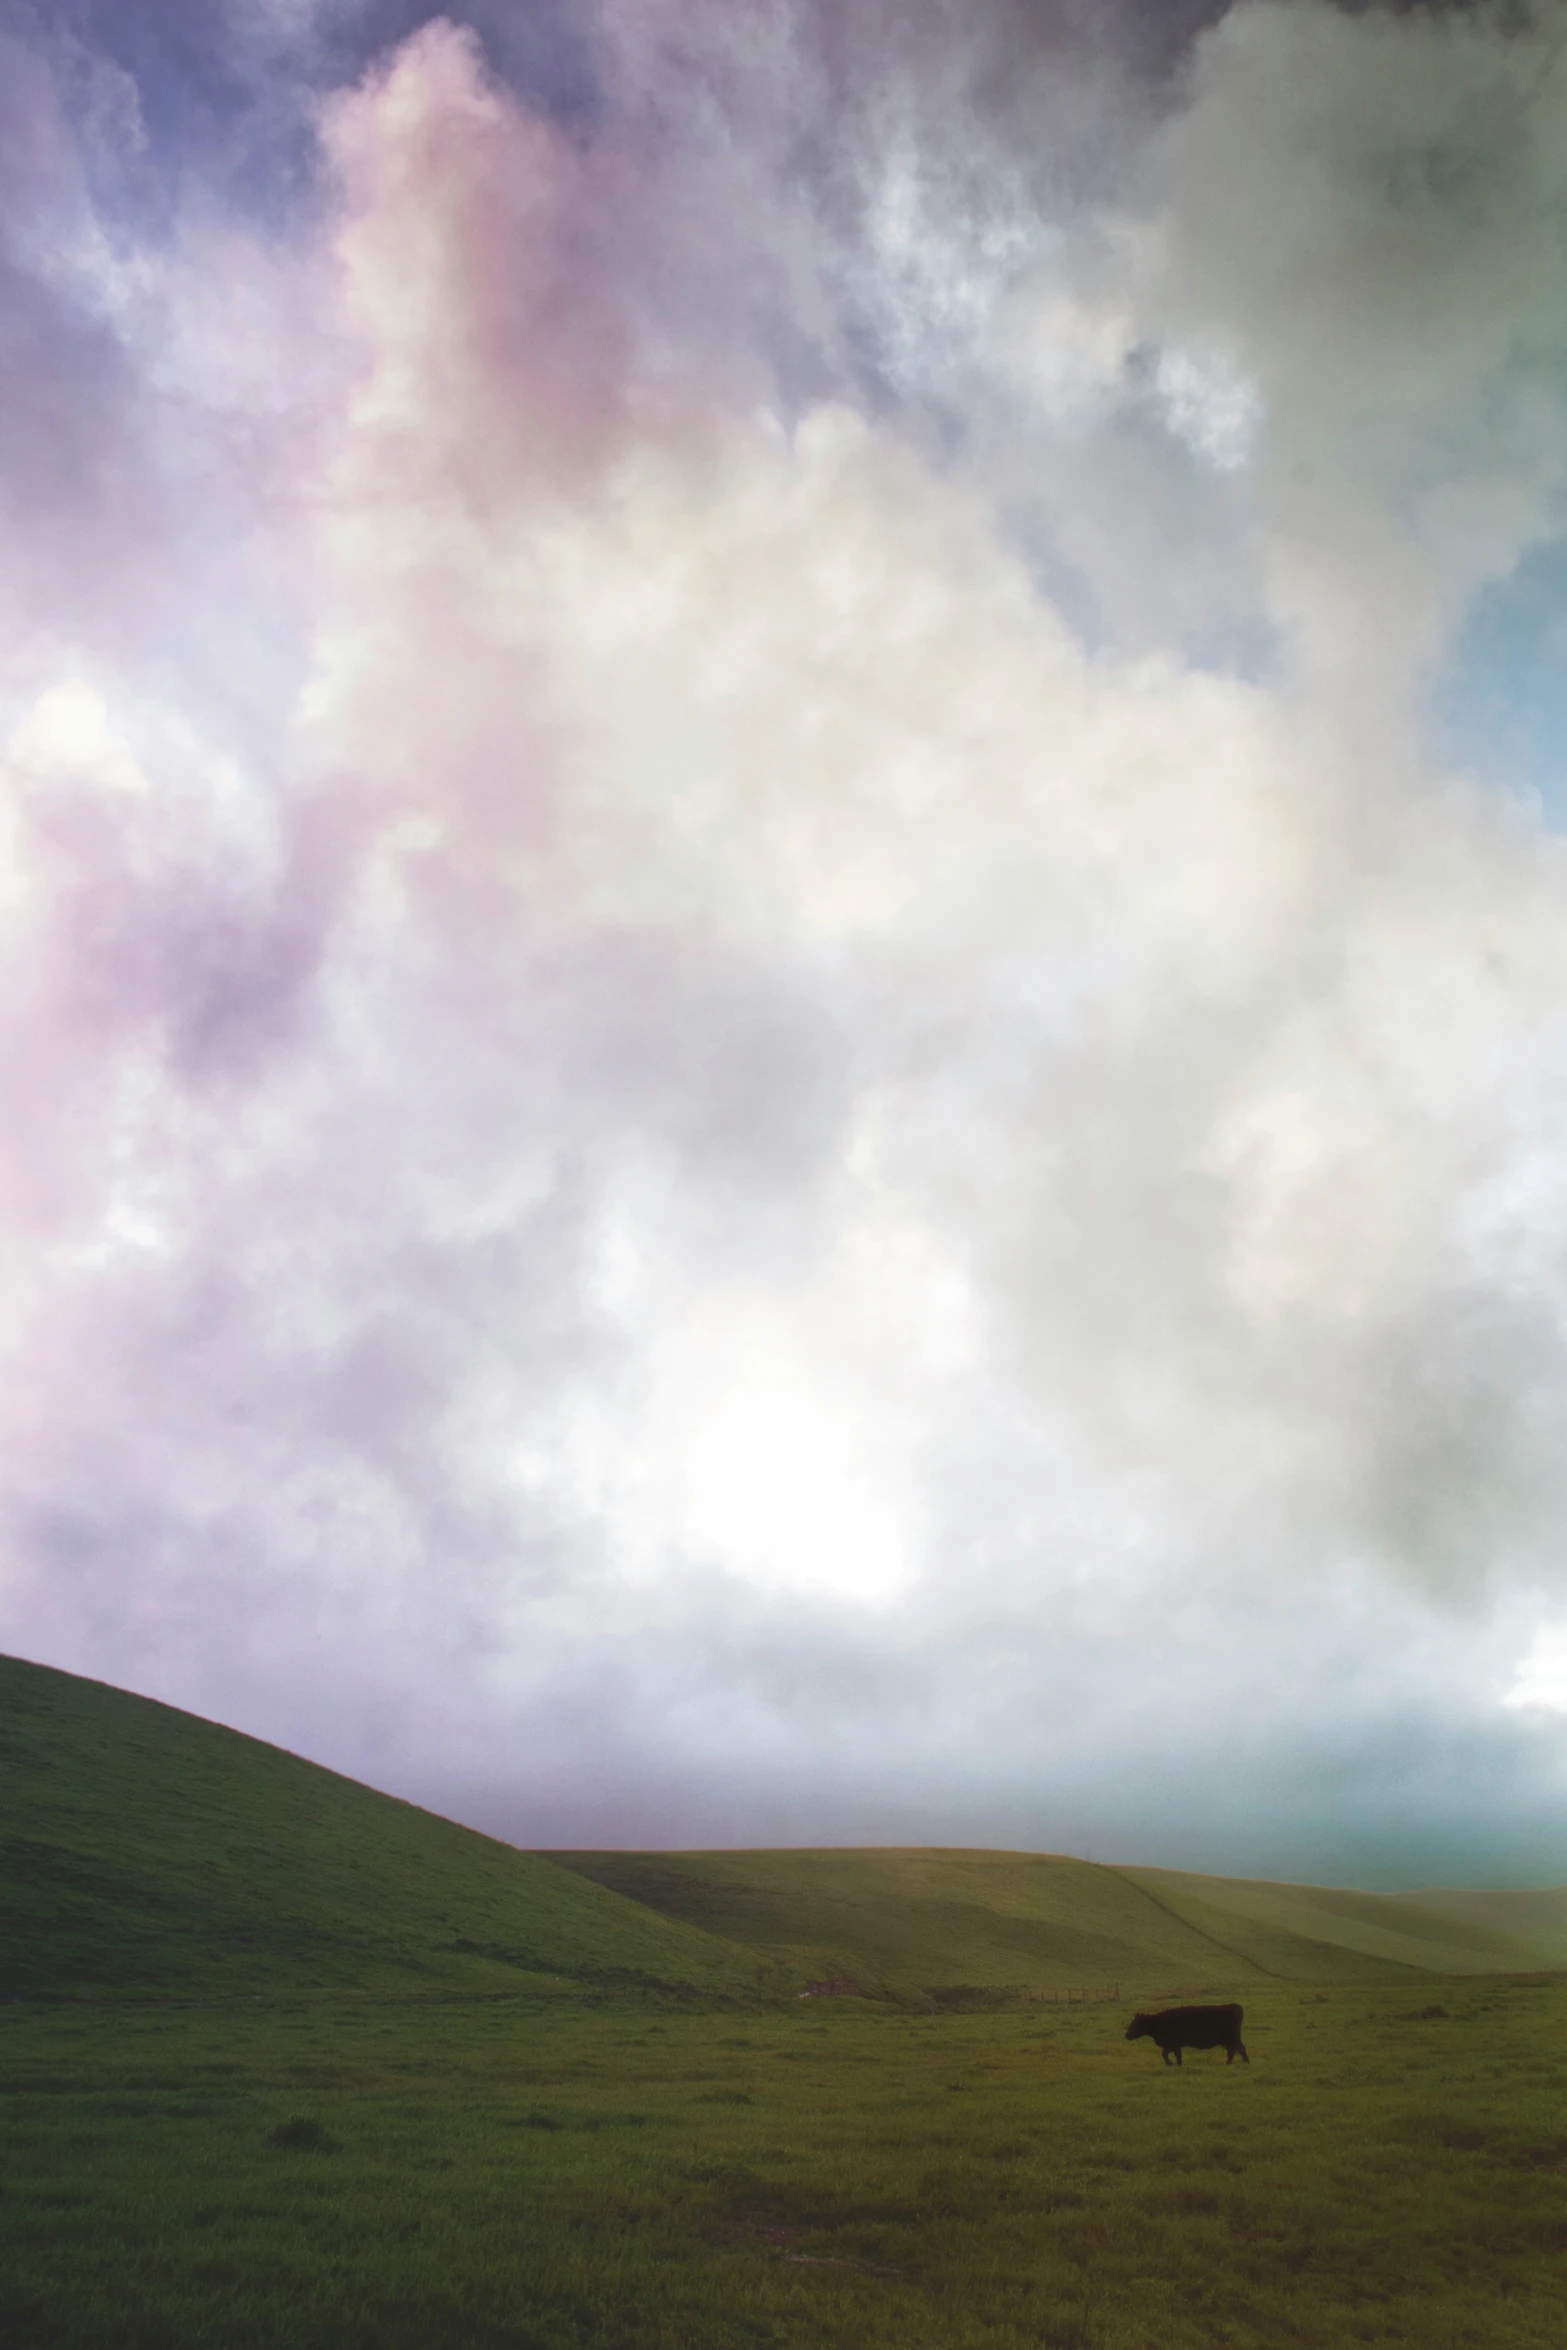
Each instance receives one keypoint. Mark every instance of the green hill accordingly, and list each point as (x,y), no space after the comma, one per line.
(146,1852)
(922,1919)
(142,1849)
(925,1919)
(1290,1929)
(1538,1917)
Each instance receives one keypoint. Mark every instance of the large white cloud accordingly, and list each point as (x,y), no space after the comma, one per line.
(714,1130)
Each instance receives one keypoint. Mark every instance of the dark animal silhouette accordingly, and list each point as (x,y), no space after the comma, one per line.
(1175,2028)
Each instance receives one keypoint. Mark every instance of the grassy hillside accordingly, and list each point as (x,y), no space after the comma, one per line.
(144,1850)
(1539,1918)
(356,2076)
(918,1919)
(1292,1930)
(141,1848)
(913,1920)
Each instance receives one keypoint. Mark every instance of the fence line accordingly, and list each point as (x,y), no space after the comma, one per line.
(1084,1997)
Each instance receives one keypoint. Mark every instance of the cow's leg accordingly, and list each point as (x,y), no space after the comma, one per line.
(1241,2045)
(1166,2055)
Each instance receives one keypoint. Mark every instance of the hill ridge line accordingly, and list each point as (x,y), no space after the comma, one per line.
(149,1850)
(1229,1952)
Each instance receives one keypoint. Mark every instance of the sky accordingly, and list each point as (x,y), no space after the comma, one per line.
(783,910)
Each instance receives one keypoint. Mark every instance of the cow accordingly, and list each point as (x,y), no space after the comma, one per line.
(1175,2028)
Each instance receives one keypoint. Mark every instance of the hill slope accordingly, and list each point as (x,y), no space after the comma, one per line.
(1538,1917)
(1288,1928)
(146,1852)
(924,1918)
(142,1849)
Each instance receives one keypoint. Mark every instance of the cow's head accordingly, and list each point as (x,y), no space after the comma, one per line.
(1139,2027)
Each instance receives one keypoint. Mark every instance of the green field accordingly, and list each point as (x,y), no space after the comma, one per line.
(284,2062)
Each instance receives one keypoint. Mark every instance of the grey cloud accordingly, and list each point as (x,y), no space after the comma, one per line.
(73,481)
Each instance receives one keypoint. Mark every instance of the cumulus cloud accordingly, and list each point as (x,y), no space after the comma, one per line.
(759,1084)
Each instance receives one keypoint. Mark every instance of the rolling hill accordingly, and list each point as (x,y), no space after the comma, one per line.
(919,1919)
(144,1850)
(916,1920)
(1287,1929)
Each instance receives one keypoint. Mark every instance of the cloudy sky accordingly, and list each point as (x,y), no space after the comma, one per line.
(783,907)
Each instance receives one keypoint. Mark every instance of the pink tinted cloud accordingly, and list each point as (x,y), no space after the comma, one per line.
(691,937)
(480,260)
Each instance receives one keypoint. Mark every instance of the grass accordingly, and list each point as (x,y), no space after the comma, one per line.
(286,2065)
(905,1920)
(141,1848)
(532,2172)
(1301,1932)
